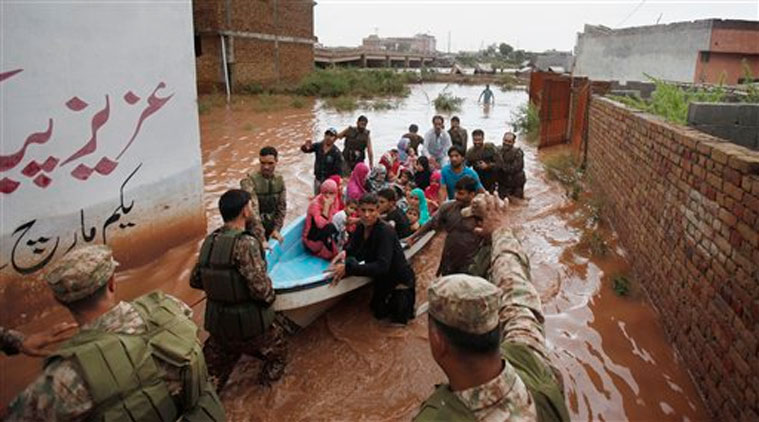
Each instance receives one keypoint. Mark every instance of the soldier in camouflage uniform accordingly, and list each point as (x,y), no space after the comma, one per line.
(511,177)
(94,375)
(358,144)
(482,157)
(269,189)
(231,270)
(488,338)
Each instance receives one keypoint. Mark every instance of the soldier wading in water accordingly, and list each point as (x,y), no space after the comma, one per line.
(269,191)
(232,271)
(488,337)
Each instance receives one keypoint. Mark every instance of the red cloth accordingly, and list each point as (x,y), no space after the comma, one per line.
(315,217)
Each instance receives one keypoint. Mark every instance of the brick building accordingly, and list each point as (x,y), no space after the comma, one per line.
(265,41)
(702,51)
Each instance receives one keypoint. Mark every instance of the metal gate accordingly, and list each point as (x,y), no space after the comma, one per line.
(554,111)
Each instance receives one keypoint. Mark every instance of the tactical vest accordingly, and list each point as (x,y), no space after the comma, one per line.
(268,192)
(124,379)
(231,313)
(546,391)
(355,144)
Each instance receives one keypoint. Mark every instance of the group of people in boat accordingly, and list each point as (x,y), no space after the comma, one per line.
(410,187)
(485,317)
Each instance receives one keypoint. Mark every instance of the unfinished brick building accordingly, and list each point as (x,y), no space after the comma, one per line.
(265,42)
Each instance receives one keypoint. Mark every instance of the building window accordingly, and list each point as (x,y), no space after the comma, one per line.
(705,56)
(198,46)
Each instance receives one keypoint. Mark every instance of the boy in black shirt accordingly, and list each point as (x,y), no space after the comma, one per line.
(392,214)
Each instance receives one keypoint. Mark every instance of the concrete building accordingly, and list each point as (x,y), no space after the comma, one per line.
(700,51)
(554,59)
(265,42)
(419,43)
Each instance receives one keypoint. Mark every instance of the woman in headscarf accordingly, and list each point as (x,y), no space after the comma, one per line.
(431,193)
(422,173)
(357,182)
(417,200)
(339,182)
(319,234)
(392,163)
(403,145)
(377,179)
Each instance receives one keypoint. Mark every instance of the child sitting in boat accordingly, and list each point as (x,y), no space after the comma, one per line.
(432,191)
(413,218)
(418,201)
(345,222)
(320,236)
(392,214)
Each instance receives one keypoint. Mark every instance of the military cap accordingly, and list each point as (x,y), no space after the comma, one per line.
(81,272)
(470,304)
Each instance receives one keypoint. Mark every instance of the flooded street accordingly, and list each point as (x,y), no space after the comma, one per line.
(615,358)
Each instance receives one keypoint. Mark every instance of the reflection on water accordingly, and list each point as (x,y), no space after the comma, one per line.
(616,361)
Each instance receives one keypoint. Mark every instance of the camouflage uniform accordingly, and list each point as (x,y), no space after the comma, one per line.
(61,393)
(271,346)
(459,136)
(487,154)
(263,229)
(511,177)
(10,340)
(472,305)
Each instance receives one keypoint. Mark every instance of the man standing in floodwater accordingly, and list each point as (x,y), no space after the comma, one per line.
(358,144)
(487,97)
(455,171)
(414,138)
(461,244)
(457,133)
(511,177)
(482,157)
(130,361)
(231,270)
(488,337)
(328,161)
(437,141)
(269,189)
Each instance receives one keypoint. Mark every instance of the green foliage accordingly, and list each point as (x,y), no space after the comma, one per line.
(254,88)
(527,119)
(346,103)
(621,285)
(447,102)
(381,104)
(505,49)
(333,83)
(752,83)
(563,167)
(508,82)
(592,242)
(671,100)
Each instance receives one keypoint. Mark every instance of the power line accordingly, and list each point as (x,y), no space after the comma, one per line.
(632,13)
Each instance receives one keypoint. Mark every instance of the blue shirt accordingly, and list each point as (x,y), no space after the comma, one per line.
(449,178)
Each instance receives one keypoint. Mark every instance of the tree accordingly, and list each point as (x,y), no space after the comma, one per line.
(505,49)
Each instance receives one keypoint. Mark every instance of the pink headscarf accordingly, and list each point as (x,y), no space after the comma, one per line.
(432,190)
(357,182)
(338,182)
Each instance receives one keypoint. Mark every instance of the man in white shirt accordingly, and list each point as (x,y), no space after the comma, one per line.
(437,141)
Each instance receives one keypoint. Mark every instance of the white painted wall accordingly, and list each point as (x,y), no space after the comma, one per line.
(667,52)
(78,61)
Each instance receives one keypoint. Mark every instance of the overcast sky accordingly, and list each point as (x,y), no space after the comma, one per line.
(531,25)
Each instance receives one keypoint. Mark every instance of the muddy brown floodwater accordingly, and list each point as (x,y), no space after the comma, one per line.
(616,360)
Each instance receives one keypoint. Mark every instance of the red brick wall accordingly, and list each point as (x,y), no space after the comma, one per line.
(254,59)
(686,207)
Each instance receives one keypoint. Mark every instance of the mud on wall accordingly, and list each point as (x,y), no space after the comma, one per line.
(100,138)
(686,206)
